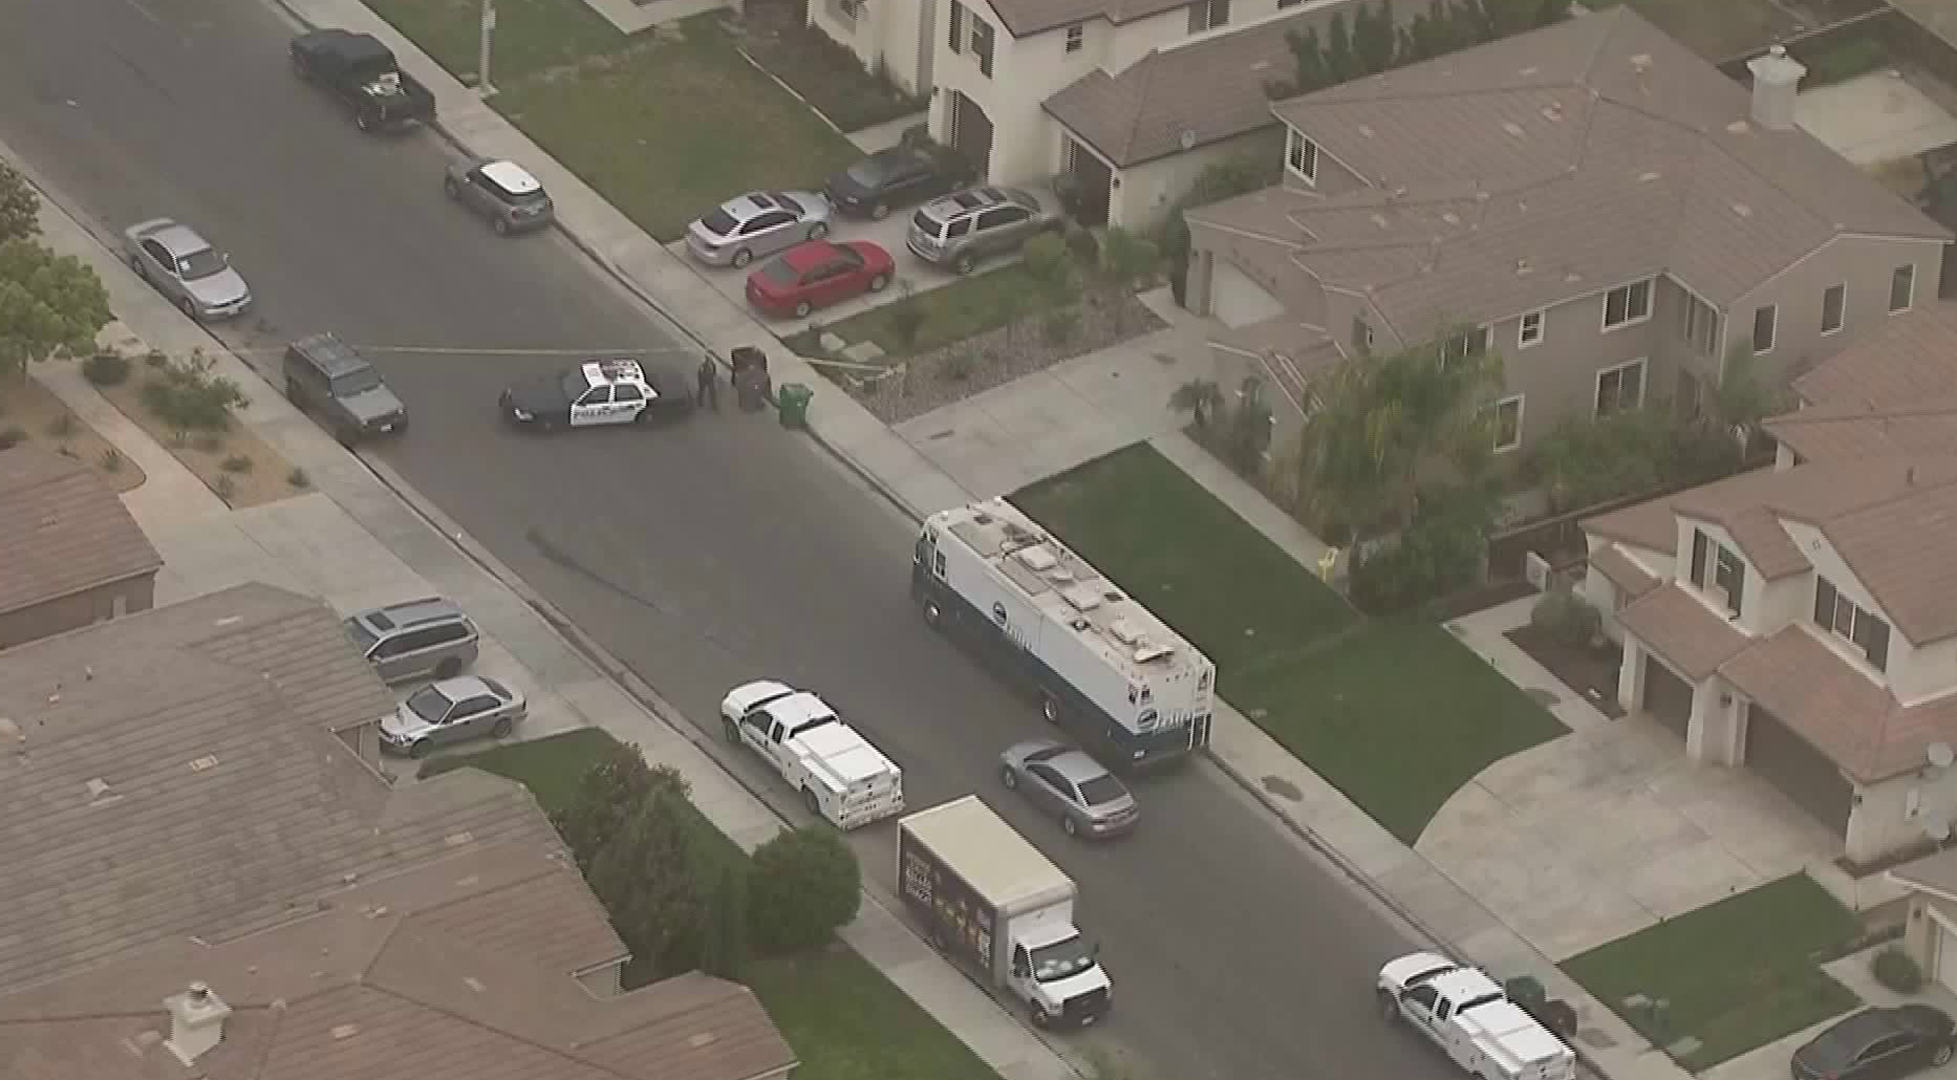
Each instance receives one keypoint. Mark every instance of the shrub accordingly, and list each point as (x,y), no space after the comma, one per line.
(111,459)
(1048,263)
(62,426)
(1897,970)
(224,486)
(189,396)
(905,318)
(209,442)
(238,463)
(1583,464)
(805,886)
(1060,327)
(1567,617)
(106,368)
(156,358)
(67,451)
(958,365)
(1439,553)
(298,478)
(11,436)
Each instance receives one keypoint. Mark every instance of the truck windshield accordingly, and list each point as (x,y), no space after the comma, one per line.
(1062,959)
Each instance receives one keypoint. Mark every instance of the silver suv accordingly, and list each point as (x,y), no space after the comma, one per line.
(966,226)
(414,638)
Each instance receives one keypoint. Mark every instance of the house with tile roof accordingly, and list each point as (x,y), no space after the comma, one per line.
(219,884)
(1130,100)
(1801,620)
(70,554)
(1591,199)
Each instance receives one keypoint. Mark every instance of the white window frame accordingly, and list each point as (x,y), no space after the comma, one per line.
(1773,329)
(1522,338)
(1597,388)
(1628,289)
(1908,301)
(1521,409)
(1841,313)
(1076,37)
(1466,343)
(1307,154)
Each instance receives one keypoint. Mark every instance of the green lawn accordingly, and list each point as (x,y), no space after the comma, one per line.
(1188,558)
(952,312)
(1737,974)
(531,35)
(826,73)
(1397,716)
(550,767)
(1718,30)
(847,1022)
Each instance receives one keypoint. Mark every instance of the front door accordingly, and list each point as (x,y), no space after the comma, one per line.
(1089,180)
(971,133)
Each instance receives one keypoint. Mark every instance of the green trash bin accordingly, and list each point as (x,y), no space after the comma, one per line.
(793,401)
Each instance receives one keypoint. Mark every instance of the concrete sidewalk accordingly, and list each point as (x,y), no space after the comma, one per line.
(361,537)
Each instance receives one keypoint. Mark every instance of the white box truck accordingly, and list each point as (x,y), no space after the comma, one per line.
(1469,1016)
(999,908)
(1102,664)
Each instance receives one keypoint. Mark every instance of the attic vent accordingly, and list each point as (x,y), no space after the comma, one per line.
(457,839)
(473,983)
(1260,65)
(1081,598)
(1742,210)
(99,791)
(1038,559)
(1512,128)
(229,620)
(1553,111)
(1646,178)
(1379,221)
(1530,70)
(1126,632)
(1572,277)
(11,731)
(1641,61)
(1738,127)
(345,1031)
(705,1038)
(1522,266)
(1366,130)
(208,761)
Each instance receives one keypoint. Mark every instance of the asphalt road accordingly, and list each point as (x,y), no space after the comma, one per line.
(704,555)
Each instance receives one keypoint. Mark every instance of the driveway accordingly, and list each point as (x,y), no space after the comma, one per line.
(701,555)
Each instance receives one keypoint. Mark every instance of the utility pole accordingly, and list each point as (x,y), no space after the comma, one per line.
(483,85)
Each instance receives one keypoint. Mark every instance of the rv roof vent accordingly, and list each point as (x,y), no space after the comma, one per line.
(1014,531)
(1081,599)
(1060,575)
(982,519)
(1146,652)
(1126,632)
(1038,559)
(1113,597)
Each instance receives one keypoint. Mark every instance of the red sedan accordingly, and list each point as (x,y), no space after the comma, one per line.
(817,274)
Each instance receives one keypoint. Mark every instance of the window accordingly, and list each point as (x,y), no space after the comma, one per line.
(1282,4)
(1834,303)
(955,27)
(1529,332)
(1840,616)
(1467,343)
(1627,304)
(1208,15)
(1764,320)
(982,45)
(1718,569)
(1076,37)
(1508,423)
(1698,323)
(1301,156)
(1902,288)
(1620,388)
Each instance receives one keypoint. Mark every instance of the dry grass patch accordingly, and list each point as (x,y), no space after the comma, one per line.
(42,419)
(241,468)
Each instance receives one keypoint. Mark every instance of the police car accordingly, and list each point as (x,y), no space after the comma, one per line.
(608,391)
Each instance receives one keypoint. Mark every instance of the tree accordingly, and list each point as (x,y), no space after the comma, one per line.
(1500,18)
(1340,64)
(19,206)
(608,794)
(724,951)
(648,876)
(1123,259)
(1308,58)
(48,302)
(1373,37)
(805,886)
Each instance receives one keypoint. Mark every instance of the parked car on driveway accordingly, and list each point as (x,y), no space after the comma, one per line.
(595,393)
(758,223)
(897,177)
(414,638)
(185,267)
(325,376)
(502,191)
(977,223)
(451,710)
(816,274)
(1068,783)
(1877,1044)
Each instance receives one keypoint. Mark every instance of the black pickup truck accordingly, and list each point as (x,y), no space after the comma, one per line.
(361,72)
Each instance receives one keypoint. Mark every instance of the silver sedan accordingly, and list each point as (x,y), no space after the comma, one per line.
(759,223)
(450,710)
(1069,784)
(185,267)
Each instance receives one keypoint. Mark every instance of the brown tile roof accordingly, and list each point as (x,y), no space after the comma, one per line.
(1858,725)
(1620,570)
(1937,873)
(1024,17)
(1903,551)
(189,745)
(1906,360)
(62,530)
(1202,92)
(1553,164)
(1927,427)
(1691,637)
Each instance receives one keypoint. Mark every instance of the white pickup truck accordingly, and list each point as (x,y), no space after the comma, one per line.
(1467,1014)
(843,779)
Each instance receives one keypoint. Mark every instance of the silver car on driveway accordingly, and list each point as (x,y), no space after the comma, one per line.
(759,223)
(451,710)
(1065,782)
(186,268)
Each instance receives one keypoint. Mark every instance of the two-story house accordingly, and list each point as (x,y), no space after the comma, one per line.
(1592,199)
(1130,99)
(1801,620)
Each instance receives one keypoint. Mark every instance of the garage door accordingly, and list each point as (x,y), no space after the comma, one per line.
(1947,958)
(1800,772)
(1667,697)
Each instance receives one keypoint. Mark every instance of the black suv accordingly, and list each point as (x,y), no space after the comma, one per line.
(325,375)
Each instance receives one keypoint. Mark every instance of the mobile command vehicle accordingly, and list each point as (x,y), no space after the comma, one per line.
(993,903)
(1101,664)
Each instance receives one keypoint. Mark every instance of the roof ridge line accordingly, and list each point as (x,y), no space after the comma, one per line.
(524,1039)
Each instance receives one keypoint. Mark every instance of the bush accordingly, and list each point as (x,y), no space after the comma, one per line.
(11,436)
(224,486)
(238,463)
(905,317)
(805,885)
(1844,60)
(156,358)
(1441,552)
(1059,327)
(106,369)
(1049,263)
(1567,617)
(298,478)
(1897,970)
(62,426)
(1587,463)
(189,396)
(209,442)
(111,459)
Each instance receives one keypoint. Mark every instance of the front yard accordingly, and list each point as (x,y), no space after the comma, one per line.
(844,1020)
(1733,976)
(1396,715)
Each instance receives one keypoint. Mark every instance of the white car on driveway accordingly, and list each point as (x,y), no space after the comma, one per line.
(843,779)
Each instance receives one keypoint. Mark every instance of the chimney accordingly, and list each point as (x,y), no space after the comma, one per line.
(196,1022)
(1776,79)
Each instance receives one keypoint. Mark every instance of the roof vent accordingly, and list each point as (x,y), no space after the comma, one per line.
(1081,598)
(10,731)
(1037,559)
(1513,128)
(1126,632)
(705,1038)
(1776,81)
(345,1031)
(1451,218)
(208,761)
(1530,70)
(1366,130)
(1522,266)
(1646,178)
(1572,277)
(100,792)
(196,1022)
(1742,210)
(1379,221)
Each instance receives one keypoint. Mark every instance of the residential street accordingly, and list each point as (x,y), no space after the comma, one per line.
(719,551)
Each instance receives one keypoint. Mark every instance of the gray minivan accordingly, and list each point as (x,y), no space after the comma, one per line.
(415,638)
(326,376)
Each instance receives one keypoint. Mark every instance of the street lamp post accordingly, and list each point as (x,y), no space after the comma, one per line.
(483,85)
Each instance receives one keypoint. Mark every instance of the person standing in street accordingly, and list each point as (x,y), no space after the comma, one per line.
(707,389)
